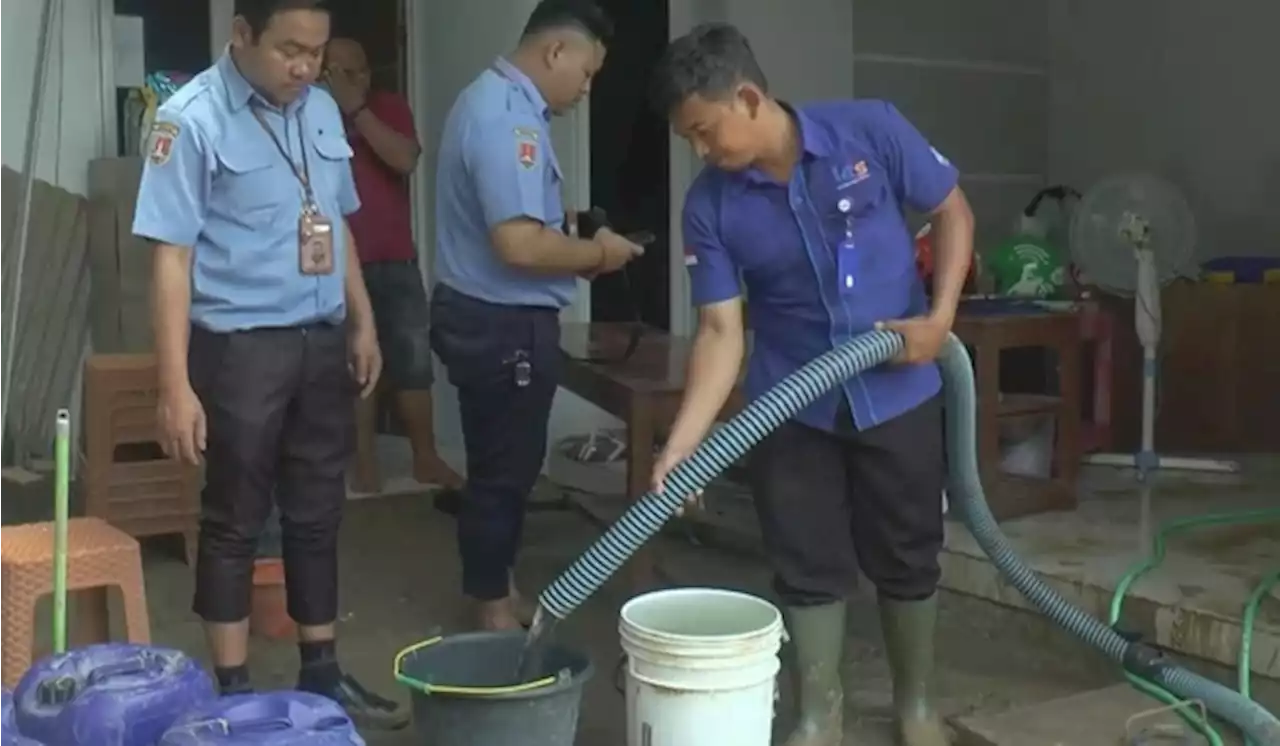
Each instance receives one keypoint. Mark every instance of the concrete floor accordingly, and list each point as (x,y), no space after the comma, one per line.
(399,580)
(1192,603)
(399,576)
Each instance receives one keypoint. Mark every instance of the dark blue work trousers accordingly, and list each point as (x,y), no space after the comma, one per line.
(505,362)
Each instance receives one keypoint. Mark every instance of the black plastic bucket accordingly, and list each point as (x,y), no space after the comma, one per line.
(464,695)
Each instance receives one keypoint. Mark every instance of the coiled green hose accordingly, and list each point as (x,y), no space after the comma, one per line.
(794,393)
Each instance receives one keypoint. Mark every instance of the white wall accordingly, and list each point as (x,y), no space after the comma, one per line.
(1185,90)
(72,130)
(973,77)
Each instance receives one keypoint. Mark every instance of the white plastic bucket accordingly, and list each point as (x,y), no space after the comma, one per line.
(702,666)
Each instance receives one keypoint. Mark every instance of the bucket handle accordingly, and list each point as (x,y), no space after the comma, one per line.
(620,675)
(459,691)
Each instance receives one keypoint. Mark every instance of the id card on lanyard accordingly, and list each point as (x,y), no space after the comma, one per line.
(846,258)
(315,231)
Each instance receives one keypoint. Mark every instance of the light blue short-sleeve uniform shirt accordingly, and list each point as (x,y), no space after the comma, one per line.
(496,164)
(215,181)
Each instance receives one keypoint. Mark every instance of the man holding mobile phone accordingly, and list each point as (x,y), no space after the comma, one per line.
(506,266)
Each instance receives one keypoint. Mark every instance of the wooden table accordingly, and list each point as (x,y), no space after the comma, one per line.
(987,336)
(645,393)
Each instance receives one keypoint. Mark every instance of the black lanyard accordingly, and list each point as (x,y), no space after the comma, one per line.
(303,175)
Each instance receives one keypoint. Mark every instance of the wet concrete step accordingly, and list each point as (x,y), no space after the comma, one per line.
(1101,717)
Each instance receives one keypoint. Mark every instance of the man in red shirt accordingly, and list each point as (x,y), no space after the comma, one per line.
(380,129)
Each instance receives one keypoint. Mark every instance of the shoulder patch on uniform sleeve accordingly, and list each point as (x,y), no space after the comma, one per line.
(526,146)
(160,142)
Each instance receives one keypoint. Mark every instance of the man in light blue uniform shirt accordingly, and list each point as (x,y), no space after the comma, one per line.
(505,268)
(260,316)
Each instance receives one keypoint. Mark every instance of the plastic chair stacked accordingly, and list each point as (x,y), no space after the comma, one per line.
(98,556)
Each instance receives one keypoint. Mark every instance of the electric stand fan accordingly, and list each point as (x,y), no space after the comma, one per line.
(1130,235)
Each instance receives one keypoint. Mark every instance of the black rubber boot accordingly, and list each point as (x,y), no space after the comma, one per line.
(817,634)
(908,628)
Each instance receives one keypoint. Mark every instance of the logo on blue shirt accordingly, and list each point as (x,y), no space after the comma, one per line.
(853,173)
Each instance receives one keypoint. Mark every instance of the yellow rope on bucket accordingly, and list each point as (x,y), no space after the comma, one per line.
(458,691)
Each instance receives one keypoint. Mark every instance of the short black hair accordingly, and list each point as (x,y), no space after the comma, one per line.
(583,15)
(709,61)
(258,13)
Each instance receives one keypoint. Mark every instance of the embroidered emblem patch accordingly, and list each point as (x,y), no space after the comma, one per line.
(526,147)
(160,143)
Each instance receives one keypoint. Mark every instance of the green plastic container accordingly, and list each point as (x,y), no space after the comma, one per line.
(1026,266)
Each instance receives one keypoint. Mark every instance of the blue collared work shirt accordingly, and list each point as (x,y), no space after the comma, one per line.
(215,182)
(496,164)
(863,164)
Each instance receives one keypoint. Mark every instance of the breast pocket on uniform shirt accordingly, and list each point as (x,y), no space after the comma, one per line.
(334,156)
(867,206)
(249,183)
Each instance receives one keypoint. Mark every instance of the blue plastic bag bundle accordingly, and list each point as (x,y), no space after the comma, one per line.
(118,694)
(285,718)
(9,735)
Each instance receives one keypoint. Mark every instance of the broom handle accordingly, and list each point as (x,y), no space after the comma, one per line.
(62,477)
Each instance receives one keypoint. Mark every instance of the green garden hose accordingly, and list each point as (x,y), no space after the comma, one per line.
(1159,545)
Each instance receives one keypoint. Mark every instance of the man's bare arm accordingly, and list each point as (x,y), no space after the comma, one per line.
(400,153)
(953,252)
(359,307)
(171,313)
(531,246)
(718,350)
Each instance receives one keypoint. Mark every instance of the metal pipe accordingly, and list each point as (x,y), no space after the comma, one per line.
(23,225)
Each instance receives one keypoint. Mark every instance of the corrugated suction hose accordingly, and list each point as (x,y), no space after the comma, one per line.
(731,441)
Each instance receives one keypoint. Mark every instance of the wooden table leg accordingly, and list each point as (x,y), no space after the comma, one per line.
(641,432)
(1003,501)
(987,374)
(1068,452)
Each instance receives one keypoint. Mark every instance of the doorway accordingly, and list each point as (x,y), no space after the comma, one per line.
(379,27)
(630,161)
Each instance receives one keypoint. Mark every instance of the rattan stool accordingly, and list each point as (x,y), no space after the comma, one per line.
(98,556)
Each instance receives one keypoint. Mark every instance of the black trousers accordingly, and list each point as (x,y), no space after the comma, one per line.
(505,362)
(280,411)
(829,502)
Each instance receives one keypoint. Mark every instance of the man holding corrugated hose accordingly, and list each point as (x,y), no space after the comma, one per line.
(805,206)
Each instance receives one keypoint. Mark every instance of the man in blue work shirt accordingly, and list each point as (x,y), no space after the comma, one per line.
(506,268)
(805,207)
(261,320)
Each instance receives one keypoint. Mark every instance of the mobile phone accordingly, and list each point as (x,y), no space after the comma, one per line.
(641,238)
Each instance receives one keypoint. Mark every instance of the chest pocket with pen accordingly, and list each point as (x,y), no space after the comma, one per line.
(865,229)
